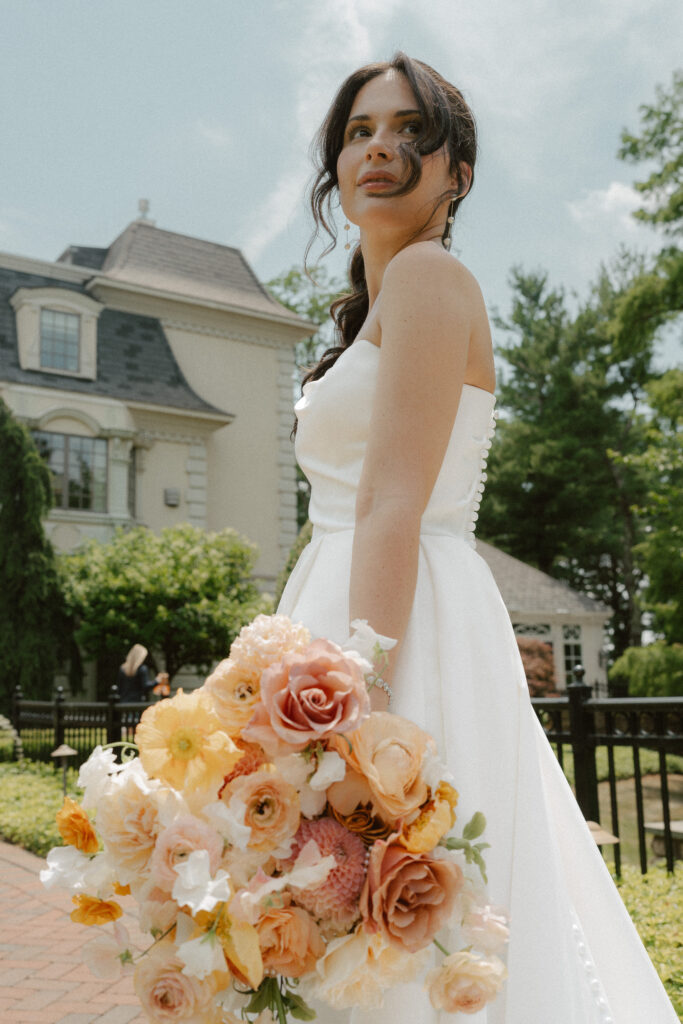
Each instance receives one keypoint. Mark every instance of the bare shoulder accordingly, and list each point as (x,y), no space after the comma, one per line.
(425,273)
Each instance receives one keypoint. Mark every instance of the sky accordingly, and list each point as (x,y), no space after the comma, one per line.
(207,109)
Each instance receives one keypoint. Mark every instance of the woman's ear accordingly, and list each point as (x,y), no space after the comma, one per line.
(463,179)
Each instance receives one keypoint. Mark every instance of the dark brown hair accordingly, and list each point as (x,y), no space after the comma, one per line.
(445,119)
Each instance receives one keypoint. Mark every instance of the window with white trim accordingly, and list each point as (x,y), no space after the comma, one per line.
(573,655)
(79,469)
(60,340)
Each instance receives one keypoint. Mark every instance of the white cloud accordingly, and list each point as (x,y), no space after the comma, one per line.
(610,208)
(337,36)
(215,134)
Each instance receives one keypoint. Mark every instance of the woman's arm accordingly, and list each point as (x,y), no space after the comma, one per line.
(428,306)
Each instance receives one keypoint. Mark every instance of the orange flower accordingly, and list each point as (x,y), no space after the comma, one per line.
(75,828)
(182,742)
(384,755)
(434,820)
(89,910)
(271,806)
(290,941)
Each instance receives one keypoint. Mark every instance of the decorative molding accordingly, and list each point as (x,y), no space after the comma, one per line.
(66,412)
(41,268)
(287,488)
(28,303)
(196,468)
(226,332)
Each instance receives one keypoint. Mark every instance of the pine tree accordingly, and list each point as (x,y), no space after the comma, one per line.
(31,616)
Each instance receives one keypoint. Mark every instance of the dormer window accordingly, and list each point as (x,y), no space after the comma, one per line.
(57,331)
(60,335)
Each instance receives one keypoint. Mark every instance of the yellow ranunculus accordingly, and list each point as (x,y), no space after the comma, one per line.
(182,743)
(75,828)
(436,818)
(89,910)
(240,943)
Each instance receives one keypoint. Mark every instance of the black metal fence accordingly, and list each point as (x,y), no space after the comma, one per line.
(43,725)
(583,724)
(576,723)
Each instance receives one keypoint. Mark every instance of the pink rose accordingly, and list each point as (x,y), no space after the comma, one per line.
(305,697)
(408,897)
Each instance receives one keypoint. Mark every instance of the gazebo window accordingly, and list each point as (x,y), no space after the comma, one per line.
(573,655)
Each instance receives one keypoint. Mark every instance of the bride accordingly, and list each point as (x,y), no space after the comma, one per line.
(393,430)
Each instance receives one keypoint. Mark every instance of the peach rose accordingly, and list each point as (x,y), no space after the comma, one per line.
(75,828)
(305,697)
(408,897)
(177,842)
(167,995)
(486,928)
(290,941)
(387,753)
(235,691)
(271,807)
(465,983)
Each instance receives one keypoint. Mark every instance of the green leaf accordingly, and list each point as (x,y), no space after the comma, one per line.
(475,826)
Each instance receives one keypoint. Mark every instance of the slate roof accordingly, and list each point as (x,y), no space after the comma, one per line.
(148,256)
(134,359)
(525,589)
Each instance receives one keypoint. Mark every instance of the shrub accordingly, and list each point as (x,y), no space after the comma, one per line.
(652,671)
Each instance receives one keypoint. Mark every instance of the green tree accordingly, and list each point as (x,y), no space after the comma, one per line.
(310,295)
(184,593)
(557,496)
(32,621)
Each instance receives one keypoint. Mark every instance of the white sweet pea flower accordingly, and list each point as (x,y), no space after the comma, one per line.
(331,768)
(94,774)
(107,956)
(433,769)
(293,767)
(311,801)
(65,869)
(201,955)
(310,868)
(363,640)
(228,820)
(195,888)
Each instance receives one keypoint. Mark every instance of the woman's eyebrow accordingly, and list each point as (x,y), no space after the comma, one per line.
(366,117)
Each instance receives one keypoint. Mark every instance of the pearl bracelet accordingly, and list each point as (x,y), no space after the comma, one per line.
(383,685)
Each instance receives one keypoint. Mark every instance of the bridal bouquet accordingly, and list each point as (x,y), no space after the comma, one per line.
(283,843)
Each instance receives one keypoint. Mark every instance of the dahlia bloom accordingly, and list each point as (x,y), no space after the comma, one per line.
(335,900)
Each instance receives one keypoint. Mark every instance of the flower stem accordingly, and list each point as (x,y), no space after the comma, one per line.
(279,1005)
(442,948)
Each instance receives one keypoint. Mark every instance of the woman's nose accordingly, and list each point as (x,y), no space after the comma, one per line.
(379,146)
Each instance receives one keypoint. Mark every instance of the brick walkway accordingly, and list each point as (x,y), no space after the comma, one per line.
(42,977)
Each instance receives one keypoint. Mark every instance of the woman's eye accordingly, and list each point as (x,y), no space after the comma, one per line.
(412,128)
(359,129)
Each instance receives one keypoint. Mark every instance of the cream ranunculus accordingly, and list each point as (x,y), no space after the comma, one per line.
(357,969)
(290,941)
(271,807)
(465,983)
(234,690)
(387,752)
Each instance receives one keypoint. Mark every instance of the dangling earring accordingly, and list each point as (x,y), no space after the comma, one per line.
(347,228)
(446,237)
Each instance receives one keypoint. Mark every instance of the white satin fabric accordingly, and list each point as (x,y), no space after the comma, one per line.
(574,956)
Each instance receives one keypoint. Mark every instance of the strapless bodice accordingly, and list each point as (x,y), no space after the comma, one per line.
(333,423)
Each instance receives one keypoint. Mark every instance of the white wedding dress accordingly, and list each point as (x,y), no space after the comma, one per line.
(574,956)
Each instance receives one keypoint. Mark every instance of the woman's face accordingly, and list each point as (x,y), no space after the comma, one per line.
(384,115)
